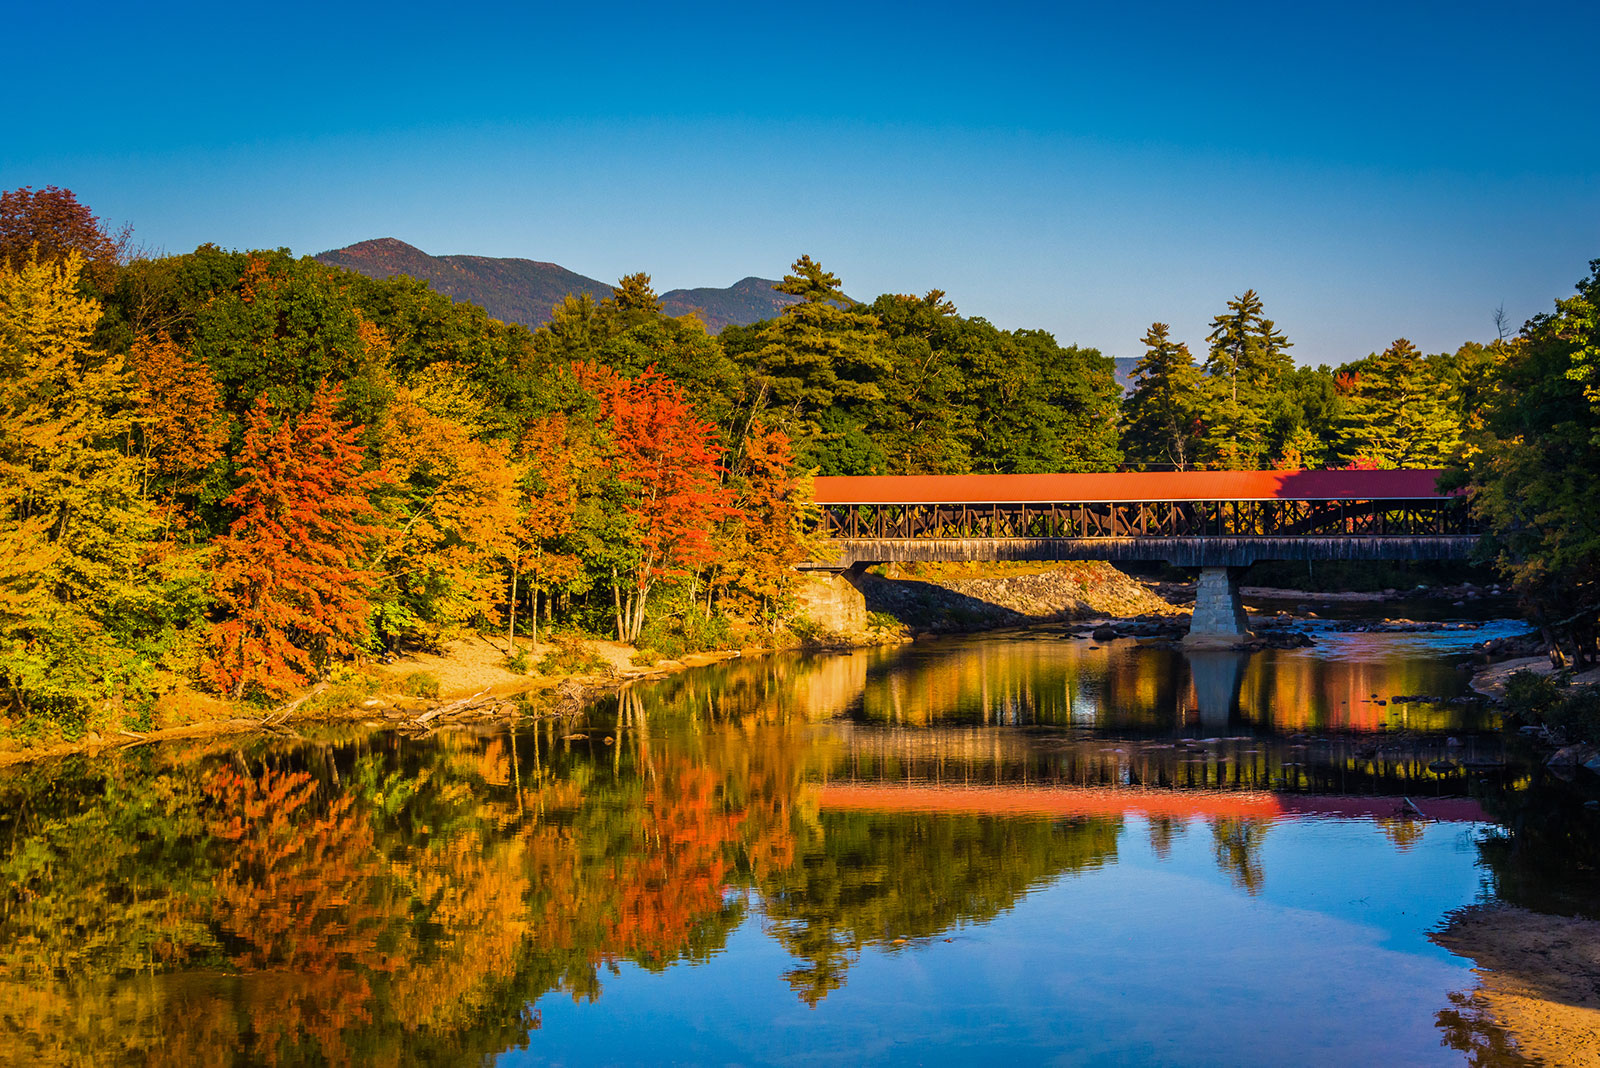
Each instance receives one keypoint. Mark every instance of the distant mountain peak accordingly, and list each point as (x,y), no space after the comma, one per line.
(524,291)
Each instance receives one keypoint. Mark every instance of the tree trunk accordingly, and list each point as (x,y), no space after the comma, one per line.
(511,613)
(616,596)
(534,591)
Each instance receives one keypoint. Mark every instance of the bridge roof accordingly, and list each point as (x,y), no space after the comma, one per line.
(1132,486)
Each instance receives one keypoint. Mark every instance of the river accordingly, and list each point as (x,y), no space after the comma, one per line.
(1029,845)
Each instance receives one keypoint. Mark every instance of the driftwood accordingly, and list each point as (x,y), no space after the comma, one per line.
(454,706)
(282,712)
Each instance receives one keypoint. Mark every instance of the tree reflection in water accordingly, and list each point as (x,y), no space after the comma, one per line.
(379,898)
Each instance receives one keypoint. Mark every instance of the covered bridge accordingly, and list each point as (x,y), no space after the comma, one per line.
(1218,521)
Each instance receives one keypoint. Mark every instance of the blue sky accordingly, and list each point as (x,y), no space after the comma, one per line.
(1373,170)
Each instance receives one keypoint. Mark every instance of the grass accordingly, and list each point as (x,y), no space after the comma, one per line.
(420,684)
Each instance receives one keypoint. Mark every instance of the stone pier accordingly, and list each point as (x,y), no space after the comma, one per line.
(1218,613)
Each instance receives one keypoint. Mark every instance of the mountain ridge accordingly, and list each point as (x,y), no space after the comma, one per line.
(525,291)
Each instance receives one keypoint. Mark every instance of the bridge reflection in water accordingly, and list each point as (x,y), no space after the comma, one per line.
(1134,729)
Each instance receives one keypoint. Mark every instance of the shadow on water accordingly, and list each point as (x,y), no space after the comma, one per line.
(379,896)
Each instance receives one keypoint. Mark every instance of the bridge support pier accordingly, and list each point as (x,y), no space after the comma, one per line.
(1218,612)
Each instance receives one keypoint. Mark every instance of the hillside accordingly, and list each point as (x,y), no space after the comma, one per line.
(748,300)
(524,291)
(515,290)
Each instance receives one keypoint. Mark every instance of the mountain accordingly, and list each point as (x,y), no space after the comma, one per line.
(747,301)
(524,291)
(517,291)
(1124,372)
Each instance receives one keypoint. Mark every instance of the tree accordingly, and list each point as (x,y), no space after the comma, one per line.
(765,535)
(821,363)
(450,510)
(70,500)
(666,464)
(49,225)
(181,430)
(291,571)
(1535,469)
(1397,411)
(1248,359)
(285,327)
(1042,406)
(1161,415)
(1248,352)
(550,464)
(921,426)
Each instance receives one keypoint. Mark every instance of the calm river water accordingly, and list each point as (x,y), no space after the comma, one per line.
(1025,845)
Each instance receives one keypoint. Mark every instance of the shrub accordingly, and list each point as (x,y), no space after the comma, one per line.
(571,657)
(1540,699)
(420,684)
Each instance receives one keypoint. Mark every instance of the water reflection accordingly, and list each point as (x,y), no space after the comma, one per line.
(381,897)
(1047,677)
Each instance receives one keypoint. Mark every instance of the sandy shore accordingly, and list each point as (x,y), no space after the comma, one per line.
(1491,681)
(470,670)
(1540,978)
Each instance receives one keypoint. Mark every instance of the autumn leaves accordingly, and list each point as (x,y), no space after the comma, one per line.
(275,486)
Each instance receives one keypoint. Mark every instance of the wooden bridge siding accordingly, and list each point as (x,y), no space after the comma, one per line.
(1204,551)
(1213,519)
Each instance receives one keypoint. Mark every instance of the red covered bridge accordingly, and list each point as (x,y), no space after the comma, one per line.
(1214,520)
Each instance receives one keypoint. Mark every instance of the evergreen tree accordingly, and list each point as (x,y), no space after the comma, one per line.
(821,364)
(1248,352)
(1248,359)
(1397,412)
(1161,415)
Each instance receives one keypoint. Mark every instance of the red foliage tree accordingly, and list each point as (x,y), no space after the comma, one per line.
(50,223)
(290,569)
(667,461)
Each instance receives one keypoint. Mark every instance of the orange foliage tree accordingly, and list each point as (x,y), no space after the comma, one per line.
(290,570)
(666,463)
(182,428)
(549,461)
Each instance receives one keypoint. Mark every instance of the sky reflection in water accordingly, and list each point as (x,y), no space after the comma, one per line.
(780,859)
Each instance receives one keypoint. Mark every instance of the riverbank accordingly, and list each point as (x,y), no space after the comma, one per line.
(473,678)
(1491,679)
(467,680)
(1540,979)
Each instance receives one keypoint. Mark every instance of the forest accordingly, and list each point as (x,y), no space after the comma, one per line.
(230,472)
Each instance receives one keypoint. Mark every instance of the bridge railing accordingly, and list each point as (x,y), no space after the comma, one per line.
(1153,519)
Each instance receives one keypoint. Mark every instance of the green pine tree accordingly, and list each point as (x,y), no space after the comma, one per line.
(1247,362)
(1397,411)
(1161,415)
(824,356)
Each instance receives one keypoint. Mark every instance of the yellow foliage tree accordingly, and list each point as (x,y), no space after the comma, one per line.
(450,516)
(71,505)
